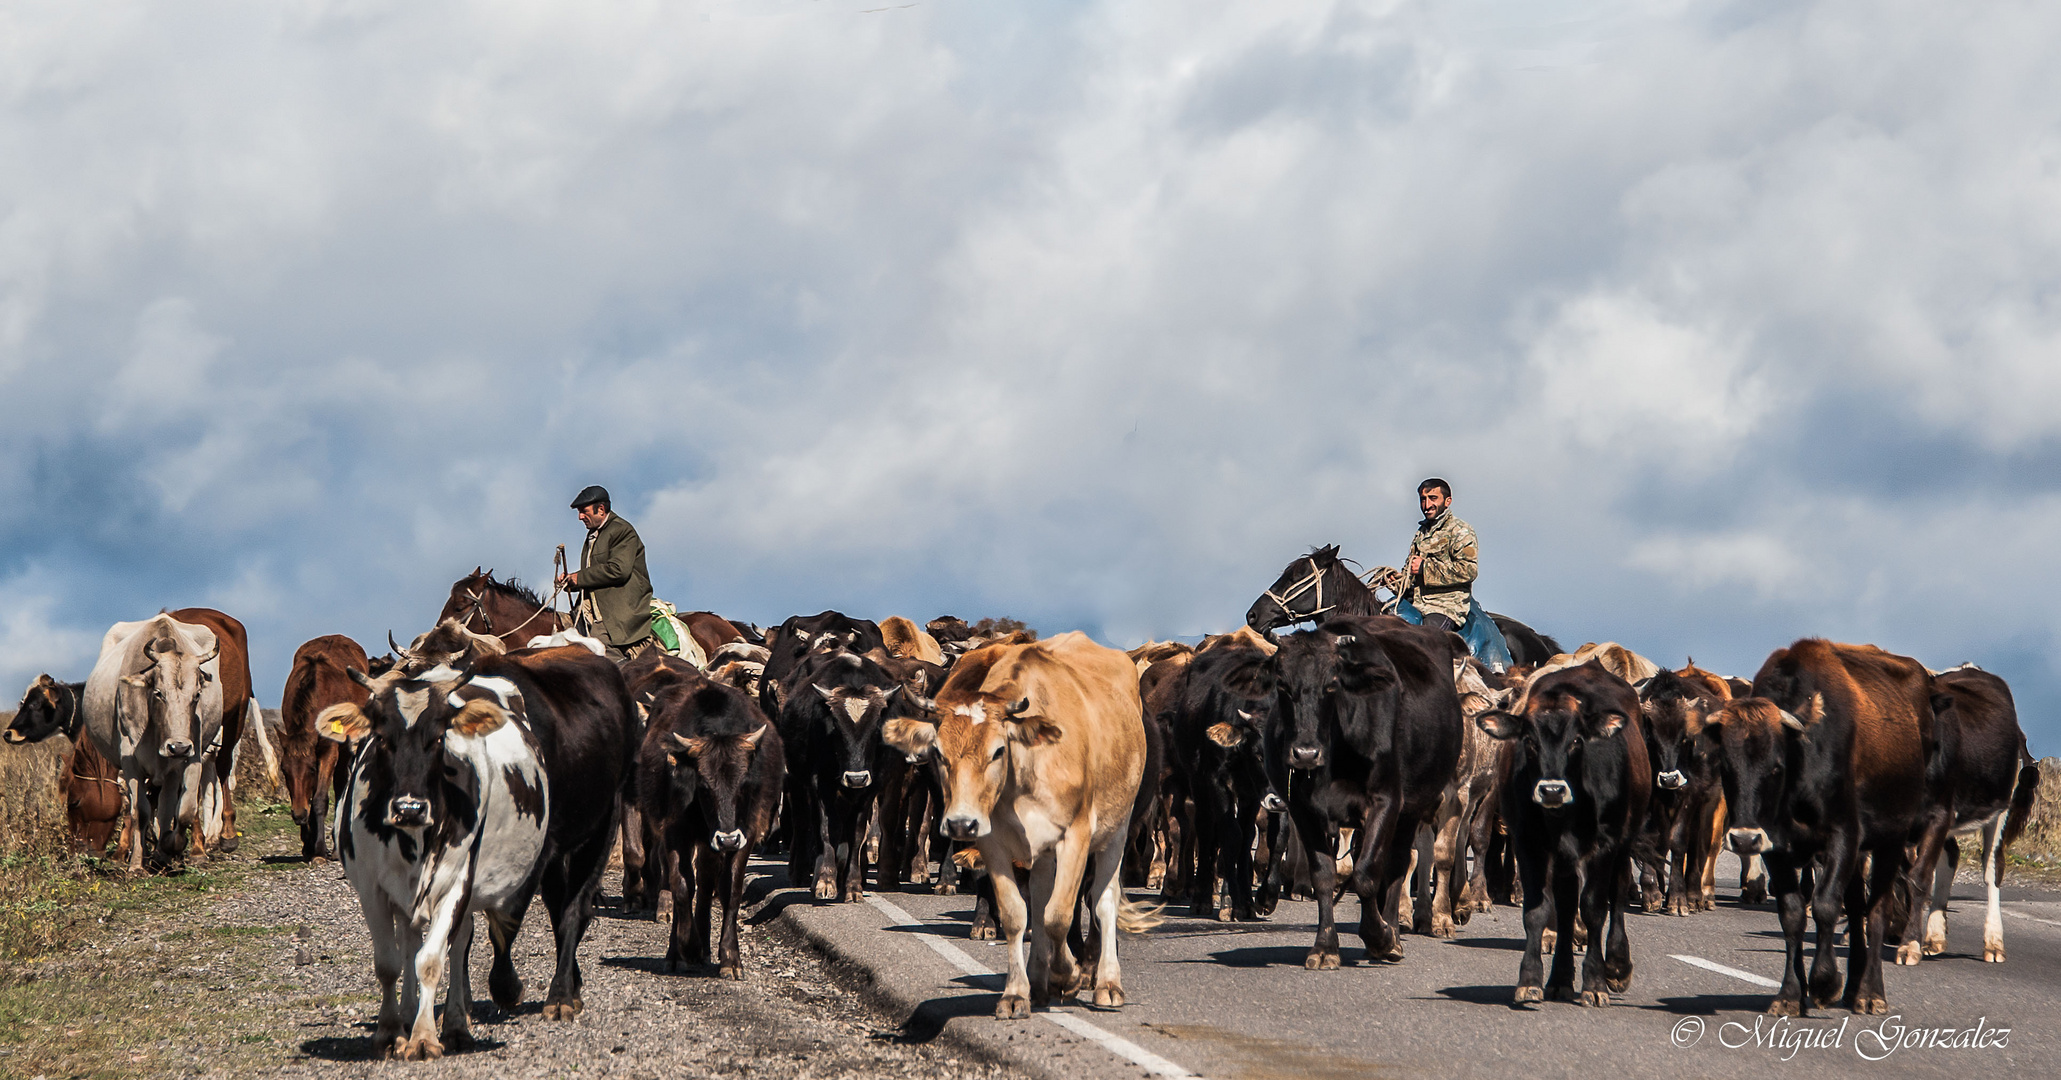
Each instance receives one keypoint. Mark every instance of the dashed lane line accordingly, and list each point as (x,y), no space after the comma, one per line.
(1712,965)
(2029,918)
(1108,1040)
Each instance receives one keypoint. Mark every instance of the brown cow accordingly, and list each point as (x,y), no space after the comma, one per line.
(239,713)
(1039,750)
(318,679)
(904,639)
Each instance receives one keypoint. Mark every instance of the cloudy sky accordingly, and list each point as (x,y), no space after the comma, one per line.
(1729,322)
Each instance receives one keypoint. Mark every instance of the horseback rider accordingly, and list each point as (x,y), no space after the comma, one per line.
(615,588)
(1438,578)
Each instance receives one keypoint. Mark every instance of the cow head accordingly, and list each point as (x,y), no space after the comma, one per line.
(1674,724)
(857,696)
(448,645)
(413,759)
(170,690)
(981,743)
(709,770)
(1318,681)
(47,708)
(1757,747)
(1561,715)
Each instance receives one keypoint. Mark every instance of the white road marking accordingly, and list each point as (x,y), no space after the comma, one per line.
(1712,965)
(1115,1044)
(2030,918)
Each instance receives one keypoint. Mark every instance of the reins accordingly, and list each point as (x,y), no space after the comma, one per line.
(1316,581)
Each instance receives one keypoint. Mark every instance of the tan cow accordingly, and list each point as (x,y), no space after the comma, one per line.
(905,639)
(1039,749)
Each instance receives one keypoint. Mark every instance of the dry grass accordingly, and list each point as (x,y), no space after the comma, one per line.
(2037,852)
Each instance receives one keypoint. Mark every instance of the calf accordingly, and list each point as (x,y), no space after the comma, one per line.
(319,678)
(1990,781)
(709,777)
(1675,835)
(91,785)
(1363,732)
(447,814)
(835,704)
(643,844)
(1040,749)
(1579,785)
(1824,767)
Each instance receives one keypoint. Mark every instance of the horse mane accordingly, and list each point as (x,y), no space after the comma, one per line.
(513,588)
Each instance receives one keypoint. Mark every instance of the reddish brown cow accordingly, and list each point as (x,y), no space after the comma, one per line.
(318,679)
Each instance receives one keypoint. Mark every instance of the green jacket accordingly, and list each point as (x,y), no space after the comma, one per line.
(613,576)
(1451,563)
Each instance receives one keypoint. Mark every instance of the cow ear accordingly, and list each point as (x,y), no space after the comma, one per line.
(751,741)
(1473,704)
(1499,724)
(478,717)
(1609,724)
(1224,735)
(912,737)
(344,723)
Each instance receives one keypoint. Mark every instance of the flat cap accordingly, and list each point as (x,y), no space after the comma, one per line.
(591,494)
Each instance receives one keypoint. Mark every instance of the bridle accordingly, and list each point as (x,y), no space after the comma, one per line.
(1314,581)
(479,608)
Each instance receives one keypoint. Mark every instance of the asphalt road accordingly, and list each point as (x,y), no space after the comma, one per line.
(1234,1000)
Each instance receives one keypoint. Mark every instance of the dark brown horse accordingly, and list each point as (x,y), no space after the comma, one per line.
(1318,586)
(502,609)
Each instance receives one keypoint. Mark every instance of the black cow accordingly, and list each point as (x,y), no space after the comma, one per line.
(1363,732)
(1578,789)
(1825,766)
(800,635)
(709,777)
(91,785)
(1991,780)
(644,886)
(1216,736)
(836,702)
(1685,787)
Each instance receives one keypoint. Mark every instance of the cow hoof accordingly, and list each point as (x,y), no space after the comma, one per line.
(227,844)
(825,890)
(562,1010)
(1617,984)
(1785,1007)
(1441,927)
(855,896)
(983,933)
(318,860)
(1560,993)
(1870,1006)
(1109,997)
(423,1049)
(1907,954)
(1755,892)
(1528,995)
(505,985)
(1012,1007)
(1321,960)
(1934,946)
(943,888)
(1224,914)
(1593,999)
(663,918)
(730,971)
(673,965)
(1993,953)
(456,1042)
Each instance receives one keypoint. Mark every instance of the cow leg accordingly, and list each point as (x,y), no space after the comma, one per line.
(679,872)
(1713,845)
(1055,885)
(1867,924)
(855,867)
(1993,833)
(706,871)
(430,949)
(985,923)
(1320,846)
(1939,819)
(1280,835)
(456,1033)
(1387,892)
(502,981)
(1238,873)
(1201,872)
(1538,911)
(1792,907)
(1753,880)
(1014,915)
(635,896)
(892,814)
(1481,827)
(1107,889)
(1566,910)
(389,958)
(1828,899)
(1943,892)
(1381,858)
(826,837)
(730,961)
(1446,851)
(571,880)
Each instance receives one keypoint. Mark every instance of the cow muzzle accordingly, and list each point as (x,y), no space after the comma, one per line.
(728,841)
(858,778)
(960,827)
(1306,758)
(1747,841)
(14,736)
(408,812)
(175,748)
(1552,794)
(1671,780)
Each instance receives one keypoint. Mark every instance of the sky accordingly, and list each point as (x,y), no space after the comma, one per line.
(1729,323)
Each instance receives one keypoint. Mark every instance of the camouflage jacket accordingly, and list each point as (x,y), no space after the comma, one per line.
(1445,583)
(615,585)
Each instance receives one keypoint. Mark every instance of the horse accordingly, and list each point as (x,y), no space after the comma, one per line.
(502,609)
(1319,585)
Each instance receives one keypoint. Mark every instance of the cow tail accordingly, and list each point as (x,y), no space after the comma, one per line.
(256,722)
(1136,916)
(2021,808)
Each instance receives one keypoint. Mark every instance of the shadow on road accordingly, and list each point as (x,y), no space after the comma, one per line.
(930,1017)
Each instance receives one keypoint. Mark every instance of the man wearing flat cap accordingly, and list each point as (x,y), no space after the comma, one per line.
(614,586)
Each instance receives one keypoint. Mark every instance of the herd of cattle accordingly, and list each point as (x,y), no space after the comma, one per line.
(478,766)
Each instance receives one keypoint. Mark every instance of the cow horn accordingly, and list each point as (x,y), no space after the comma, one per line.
(396,646)
(1022,706)
(1789,720)
(358,677)
(679,740)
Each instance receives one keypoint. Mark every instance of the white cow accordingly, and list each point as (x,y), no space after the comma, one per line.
(154,708)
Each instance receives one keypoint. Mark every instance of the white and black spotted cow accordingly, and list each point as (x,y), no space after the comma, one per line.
(447,813)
